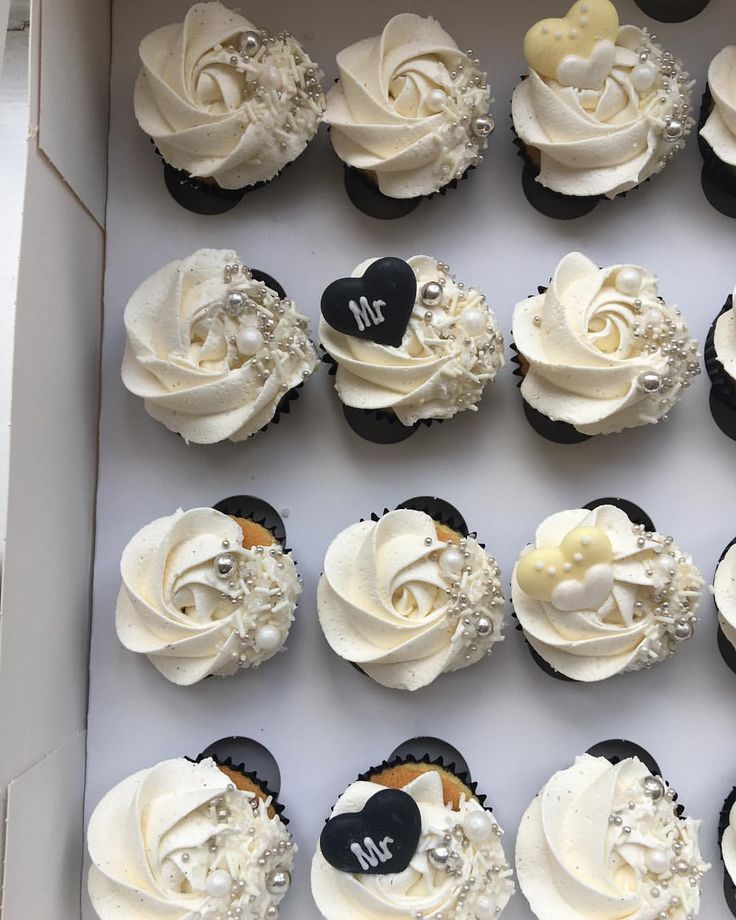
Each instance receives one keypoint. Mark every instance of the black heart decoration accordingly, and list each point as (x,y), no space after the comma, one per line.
(379,840)
(376,306)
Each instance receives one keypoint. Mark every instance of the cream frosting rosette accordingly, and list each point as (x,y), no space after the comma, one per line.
(720,128)
(724,591)
(224,100)
(451,349)
(597,595)
(724,339)
(179,841)
(406,606)
(603,105)
(602,842)
(196,602)
(410,108)
(728,845)
(604,352)
(211,350)
(474,883)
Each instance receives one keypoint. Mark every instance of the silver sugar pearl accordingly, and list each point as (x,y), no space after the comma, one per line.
(439,856)
(654,787)
(224,564)
(649,382)
(250,42)
(234,303)
(673,130)
(431,294)
(482,125)
(483,626)
(683,630)
(278,881)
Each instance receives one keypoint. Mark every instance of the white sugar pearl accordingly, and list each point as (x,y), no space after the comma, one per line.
(653,317)
(643,76)
(436,100)
(473,321)
(218,883)
(249,340)
(451,560)
(268,638)
(270,77)
(477,826)
(628,281)
(484,908)
(658,861)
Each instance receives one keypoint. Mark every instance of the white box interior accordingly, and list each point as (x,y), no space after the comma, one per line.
(321,719)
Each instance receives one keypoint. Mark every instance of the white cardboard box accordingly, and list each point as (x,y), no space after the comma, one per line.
(322,720)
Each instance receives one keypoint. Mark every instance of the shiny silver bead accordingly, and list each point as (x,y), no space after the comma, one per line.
(439,856)
(250,42)
(674,129)
(431,294)
(278,881)
(683,630)
(483,626)
(235,303)
(482,126)
(649,382)
(654,787)
(224,564)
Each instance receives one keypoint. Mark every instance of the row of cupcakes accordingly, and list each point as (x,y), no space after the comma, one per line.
(411,594)
(228,106)
(411,839)
(217,351)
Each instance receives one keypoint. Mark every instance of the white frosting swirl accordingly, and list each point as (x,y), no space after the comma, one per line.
(219,112)
(653,598)
(728,845)
(450,351)
(604,351)
(724,590)
(725,339)
(607,140)
(478,886)
(404,605)
(720,128)
(178,841)
(405,108)
(206,367)
(596,845)
(190,620)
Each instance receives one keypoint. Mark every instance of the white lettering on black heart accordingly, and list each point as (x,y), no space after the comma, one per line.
(367,314)
(373,853)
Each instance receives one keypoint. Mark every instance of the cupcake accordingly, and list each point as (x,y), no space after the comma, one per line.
(607,840)
(724,593)
(185,839)
(720,362)
(411,839)
(718,132)
(227,104)
(407,598)
(409,114)
(727,841)
(205,594)
(600,351)
(214,352)
(672,10)
(602,109)
(597,595)
(410,344)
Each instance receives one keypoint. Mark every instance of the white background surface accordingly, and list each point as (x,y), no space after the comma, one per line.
(321,719)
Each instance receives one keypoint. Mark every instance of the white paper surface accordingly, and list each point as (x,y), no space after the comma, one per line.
(321,719)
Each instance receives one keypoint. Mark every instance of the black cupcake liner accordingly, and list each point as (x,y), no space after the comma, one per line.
(235,752)
(726,649)
(671,10)
(722,399)
(554,431)
(717,178)
(637,516)
(201,196)
(729,888)
(617,749)
(255,509)
(379,426)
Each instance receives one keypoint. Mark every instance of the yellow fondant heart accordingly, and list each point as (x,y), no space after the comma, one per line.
(542,570)
(587,23)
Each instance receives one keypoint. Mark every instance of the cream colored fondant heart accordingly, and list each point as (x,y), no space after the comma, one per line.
(541,572)
(587,23)
(590,72)
(588,594)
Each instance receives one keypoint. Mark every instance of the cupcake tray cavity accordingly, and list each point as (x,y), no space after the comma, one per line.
(322,721)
